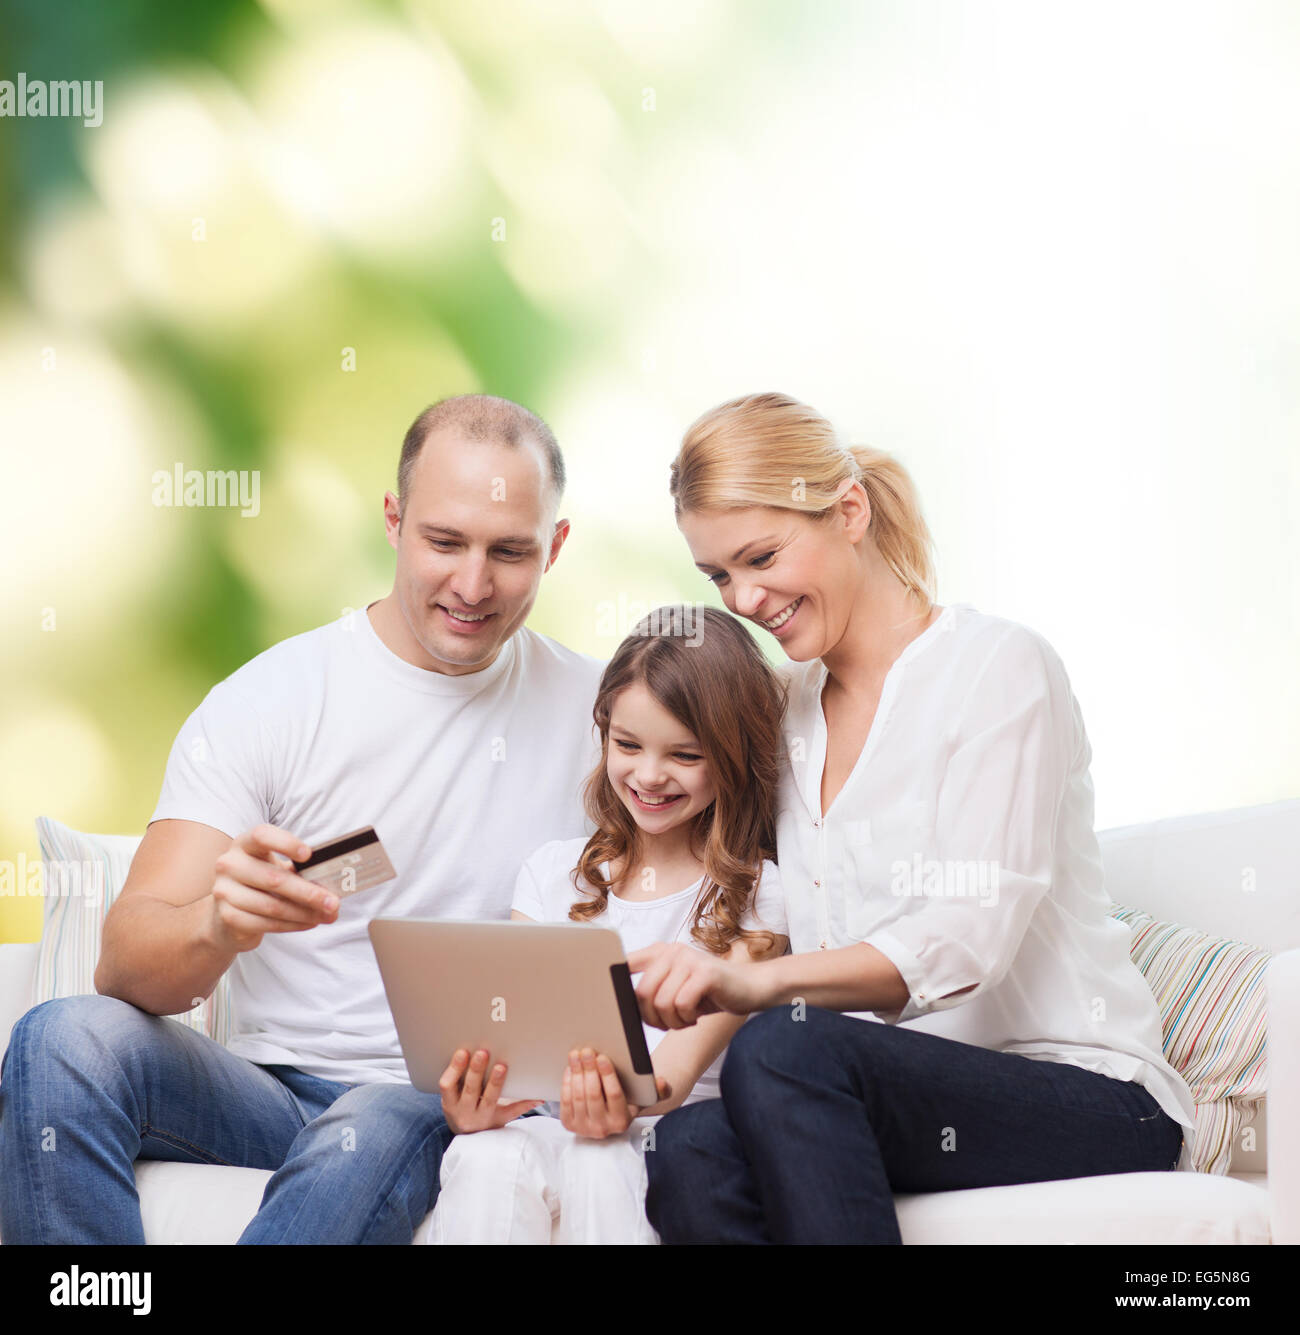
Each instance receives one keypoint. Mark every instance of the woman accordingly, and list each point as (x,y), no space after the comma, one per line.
(941,876)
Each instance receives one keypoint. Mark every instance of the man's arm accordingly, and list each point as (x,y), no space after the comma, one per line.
(194,899)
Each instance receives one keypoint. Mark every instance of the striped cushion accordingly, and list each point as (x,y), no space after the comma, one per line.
(83,875)
(1213,1012)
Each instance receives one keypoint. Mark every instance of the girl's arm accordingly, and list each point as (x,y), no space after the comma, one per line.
(593,1103)
(683,1057)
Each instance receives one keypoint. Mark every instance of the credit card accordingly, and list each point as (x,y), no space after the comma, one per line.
(348,864)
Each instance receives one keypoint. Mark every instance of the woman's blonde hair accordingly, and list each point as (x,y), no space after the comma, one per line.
(772,450)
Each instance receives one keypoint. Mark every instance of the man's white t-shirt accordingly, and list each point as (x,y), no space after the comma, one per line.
(461,776)
(962,847)
(546,890)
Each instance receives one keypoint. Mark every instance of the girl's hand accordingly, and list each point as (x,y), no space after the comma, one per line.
(592,1102)
(679,984)
(470,1105)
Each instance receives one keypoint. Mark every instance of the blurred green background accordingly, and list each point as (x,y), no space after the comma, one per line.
(1044,253)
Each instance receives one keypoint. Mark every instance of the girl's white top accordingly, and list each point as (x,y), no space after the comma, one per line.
(962,847)
(545,890)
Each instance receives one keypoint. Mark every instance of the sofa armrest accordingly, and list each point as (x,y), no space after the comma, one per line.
(1283,1048)
(17,981)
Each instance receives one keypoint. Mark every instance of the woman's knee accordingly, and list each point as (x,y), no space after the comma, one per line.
(681,1138)
(783,1040)
(800,1045)
(689,1144)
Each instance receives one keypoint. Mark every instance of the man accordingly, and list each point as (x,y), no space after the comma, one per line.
(434,715)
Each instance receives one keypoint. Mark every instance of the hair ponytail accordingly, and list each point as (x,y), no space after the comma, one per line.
(901,534)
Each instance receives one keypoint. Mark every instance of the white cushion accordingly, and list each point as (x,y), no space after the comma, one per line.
(1227,873)
(198,1204)
(17,976)
(83,875)
(1123,1208)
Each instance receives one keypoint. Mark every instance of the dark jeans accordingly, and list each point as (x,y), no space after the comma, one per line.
(822,1120)
(90,1084)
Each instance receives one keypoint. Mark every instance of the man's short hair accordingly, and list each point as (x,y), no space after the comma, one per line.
(480,417)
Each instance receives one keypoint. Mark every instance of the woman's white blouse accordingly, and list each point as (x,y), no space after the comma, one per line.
(962,847)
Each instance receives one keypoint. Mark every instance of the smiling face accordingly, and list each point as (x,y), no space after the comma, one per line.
(655,764)
(796,577)
(477,533)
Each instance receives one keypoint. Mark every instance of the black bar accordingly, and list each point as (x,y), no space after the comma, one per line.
(340,846)
(631,1016)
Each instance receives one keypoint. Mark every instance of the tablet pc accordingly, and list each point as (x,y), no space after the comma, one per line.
(526,992)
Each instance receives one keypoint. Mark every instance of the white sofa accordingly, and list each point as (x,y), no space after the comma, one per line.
(1187,870)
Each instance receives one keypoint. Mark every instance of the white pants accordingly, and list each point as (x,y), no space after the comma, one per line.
(532,1181)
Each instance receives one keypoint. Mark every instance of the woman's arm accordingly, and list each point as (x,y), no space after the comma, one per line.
(680,987)
(853,978)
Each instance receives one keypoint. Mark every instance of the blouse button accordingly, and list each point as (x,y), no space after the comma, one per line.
(816,821)
(817,882)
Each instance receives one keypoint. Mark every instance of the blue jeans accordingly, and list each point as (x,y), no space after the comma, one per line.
(821,1121)
(90,1084)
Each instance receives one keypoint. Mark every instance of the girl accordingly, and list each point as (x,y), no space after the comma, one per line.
(689,716)
(940,872)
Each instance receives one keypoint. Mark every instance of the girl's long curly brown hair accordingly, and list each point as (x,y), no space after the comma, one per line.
(714,680)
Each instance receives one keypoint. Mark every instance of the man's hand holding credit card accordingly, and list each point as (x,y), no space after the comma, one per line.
(268,880)
(348,864)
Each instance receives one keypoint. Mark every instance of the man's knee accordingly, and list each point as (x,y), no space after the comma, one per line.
(69,1030)
(376,1118)
(375,1153)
